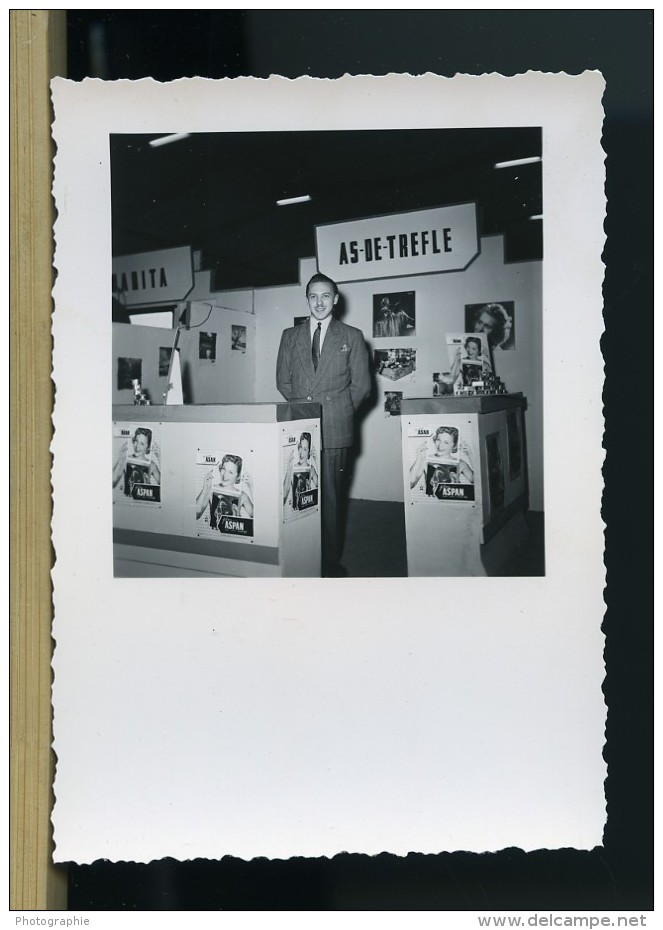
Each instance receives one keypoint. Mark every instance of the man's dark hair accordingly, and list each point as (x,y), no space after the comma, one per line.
(319,278)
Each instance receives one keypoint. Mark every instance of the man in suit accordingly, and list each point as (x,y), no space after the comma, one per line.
(326,361)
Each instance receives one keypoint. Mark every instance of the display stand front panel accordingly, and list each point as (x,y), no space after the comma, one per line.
(201,491)
(464,476)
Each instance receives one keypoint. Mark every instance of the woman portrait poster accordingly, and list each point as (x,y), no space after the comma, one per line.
(469,358)
(440,458)
(301,471)
(136,463)
(496,320)
(224,503)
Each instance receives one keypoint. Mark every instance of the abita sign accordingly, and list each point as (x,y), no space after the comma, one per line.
(399,244)
(159,277)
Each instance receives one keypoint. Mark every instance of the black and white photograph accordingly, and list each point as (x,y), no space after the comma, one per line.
(231,636)
(452,227)
(165,355)
(392,403)
(394,314)
(129,372)
(496,319)
(443,383)
(395,364)
(238,338)
(207,347)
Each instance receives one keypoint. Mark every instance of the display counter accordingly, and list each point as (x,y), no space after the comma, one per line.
(465,483)
(219,489)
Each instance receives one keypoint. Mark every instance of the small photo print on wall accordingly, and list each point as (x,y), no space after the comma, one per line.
(392,403)
(224,502)
(394,314)
(128,371)
(395,364)
(495,471)
(207,347)
(496,320)
(442,383)
(136,463)
(165,354)
(238,338)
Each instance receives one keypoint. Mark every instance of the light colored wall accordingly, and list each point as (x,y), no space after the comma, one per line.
(440,309)
(230,378)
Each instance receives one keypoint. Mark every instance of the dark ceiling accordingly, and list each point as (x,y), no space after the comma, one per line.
(217,191)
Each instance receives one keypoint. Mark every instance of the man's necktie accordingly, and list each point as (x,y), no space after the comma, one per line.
(315,347)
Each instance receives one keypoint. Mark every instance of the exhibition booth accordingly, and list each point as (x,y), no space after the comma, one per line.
(196,369)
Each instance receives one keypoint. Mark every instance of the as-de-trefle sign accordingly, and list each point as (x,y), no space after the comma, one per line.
(398,245)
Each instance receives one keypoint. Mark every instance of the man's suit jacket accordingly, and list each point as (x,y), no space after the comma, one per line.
(340,384)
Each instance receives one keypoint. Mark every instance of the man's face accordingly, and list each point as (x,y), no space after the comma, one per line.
(321,299)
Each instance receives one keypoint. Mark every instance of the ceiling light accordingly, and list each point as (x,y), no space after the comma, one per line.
(288,200)
(173,137)
(517,161)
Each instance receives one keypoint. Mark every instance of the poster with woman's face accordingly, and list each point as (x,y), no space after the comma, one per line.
(496,320)
(442,461)
(469,358)
(137,463)
(224,498)
(300,470)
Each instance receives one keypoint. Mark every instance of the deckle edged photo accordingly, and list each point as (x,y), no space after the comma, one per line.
(214,688)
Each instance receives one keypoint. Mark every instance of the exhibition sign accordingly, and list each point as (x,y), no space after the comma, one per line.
(158,277)
(399,244)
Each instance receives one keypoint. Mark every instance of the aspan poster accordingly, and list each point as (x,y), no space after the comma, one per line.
(442,462)
(224,502)
(469,358)
(137,463)
(301,471)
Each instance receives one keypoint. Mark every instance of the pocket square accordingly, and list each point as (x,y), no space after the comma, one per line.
(345,347)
